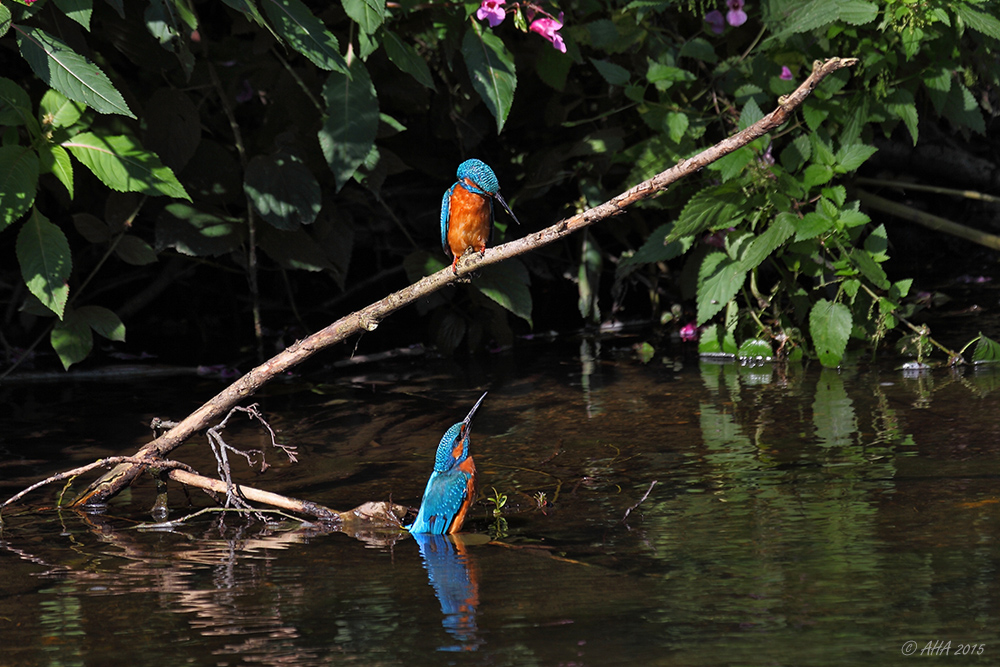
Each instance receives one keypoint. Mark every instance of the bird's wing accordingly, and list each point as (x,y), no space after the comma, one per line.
(443,498)
(445,205)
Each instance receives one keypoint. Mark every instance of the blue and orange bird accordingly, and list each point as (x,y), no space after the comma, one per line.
(467,210)
(451,488)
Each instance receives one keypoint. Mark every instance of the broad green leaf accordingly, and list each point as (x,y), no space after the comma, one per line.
(491,69)
(712,208)
(812,225)
(987,351)
(877,244)
(348,132)
(123,165)
(614,74)
(133,250)
(44,255)
(294,249)
(18,182)
(92,228)
(677,125)
(776,234)
(719,279)
(851,157)
(368,14)
(808,16)
(901,104)
(15,105)
(103,321)
(962,109)
(751,114)
(78,10)
(830,326)
(795,154)
(56,110)
(5,20)
(198,232)
(817,174)
(857,12)
(507,284)
(869,268)
(283,190)
(732,165)
(72,340)
(755,349)
(979,21)
(405,57)
(70,73)
(298,26)
(55,160)
(699,49)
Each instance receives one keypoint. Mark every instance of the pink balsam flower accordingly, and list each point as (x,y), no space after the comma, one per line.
(786,74)
(549,29)
(715,21)
(492,11)
(735,16)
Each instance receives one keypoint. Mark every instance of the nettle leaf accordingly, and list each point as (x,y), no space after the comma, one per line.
(677,125)
(987,351)
(732,165)
(491,68)
(869,268)
(405,57)
(507,284)
(773,237)
(830,326)
(857,12)
(368,14)
(755,349)
(348,132)
(70,73)
(795,154)
(979,21)
(712,208)
(124,165)
(19,169)
(655,250)
(751,114)
(103,321)
(305,33)
(15,105)
(614,74)
(72,340)
(46,262)
(719,279)
(962,109)
(901,104)
(851,157)
(283,190)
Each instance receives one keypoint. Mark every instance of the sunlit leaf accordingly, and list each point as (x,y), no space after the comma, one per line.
(55,160)
(712,208)
(755,349)
(123,165)
(348,131)
(719,279)
(72,340)
(198,232)
(103,321)
(507,284)
(770,240)
(405,57)
(830,326)
(987,351)
(70,73)
(283,190)
(368,14)
(44,255)
(18,182)
(491,68)
(298,26)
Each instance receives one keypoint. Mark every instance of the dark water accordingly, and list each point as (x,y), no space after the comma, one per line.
(798,517)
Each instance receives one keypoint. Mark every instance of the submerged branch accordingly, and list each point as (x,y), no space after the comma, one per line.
(367,319)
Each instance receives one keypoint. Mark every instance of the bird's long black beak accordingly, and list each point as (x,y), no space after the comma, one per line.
(509,212)
(468,418)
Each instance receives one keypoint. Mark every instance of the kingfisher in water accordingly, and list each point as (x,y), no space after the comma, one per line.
(467,210)
(452,486)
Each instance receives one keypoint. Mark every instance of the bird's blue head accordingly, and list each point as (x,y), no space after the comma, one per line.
(479,173)
(454,446)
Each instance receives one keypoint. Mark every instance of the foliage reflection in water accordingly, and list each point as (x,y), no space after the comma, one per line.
(800,517)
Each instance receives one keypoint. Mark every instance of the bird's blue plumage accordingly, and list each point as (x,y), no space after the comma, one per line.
(451,487)
(476,177)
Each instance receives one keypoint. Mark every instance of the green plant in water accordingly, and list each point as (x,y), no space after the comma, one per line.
(540,500)
(498,500)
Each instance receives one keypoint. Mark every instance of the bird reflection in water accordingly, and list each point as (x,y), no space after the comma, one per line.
(455,579)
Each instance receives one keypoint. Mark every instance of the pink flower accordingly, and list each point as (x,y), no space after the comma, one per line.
(549,29)
(715,21)
(735,16)
(786,74)
(492,11)
(689,332)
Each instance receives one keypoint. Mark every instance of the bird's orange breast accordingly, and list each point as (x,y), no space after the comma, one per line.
(467,466)
(468,221)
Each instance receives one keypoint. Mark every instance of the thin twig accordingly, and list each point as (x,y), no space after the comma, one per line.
(645,495)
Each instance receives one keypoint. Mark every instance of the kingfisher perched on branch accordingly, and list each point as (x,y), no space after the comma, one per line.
(451,488)
(467,210)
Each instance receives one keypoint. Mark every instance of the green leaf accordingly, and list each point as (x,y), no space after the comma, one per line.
(776,234)
(294,249)
(198,232)
(133,250)
(283,190)
(677,125)
(851,157)
(655,250)
(869,268)
(77,10)
(614,74)
(719,279)
(405,57)
(123,165)
(15,105)
(44,255)
(751,114)
(877,244)
(830,327)
(70,73)
(755,349)
(5,20)
(795,154)
(813,116)
(808,16)
(491,69)
(901,104)
(962,110)
(56,110)
(18,182)
(712,208)
(72,340)
(699,49)
(55,160)
(857,12)
(987,351)
(979,21)
(732,165)
(817,174)
(507,284)
(91,228)
(298,26)
(348,132)
(368,14)
(105,322)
